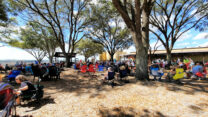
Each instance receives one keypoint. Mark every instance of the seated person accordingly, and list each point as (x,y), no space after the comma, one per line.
(26,87)
(198,70)
(156,72)
(122,71)
(110,74)
(173,74)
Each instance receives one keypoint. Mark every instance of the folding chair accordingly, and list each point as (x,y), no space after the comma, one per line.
(155,73)
(83,70)
(91,69)
(100,68)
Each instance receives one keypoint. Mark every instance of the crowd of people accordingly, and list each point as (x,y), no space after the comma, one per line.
(43,70)
(187,66)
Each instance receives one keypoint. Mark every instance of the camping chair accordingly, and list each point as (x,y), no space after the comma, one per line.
(36,93)
(199,75)
(100,68)
(13,75)
(7,101)
(179,75)
(91,69)
(28,69)
(74,66)
(54,72)
(155,73)
(110,79)
(83,70)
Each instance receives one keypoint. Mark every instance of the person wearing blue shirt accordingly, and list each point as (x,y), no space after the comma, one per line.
(197,68)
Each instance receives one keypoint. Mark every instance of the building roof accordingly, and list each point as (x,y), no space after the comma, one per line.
(176,51)
(61,54)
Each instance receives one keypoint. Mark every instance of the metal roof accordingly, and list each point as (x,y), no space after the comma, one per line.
(176,51)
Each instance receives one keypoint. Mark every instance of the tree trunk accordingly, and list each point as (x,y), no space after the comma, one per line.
(141,59)
(111,55)
(168,57)
(141,64)
(39,60)
(86,59)
(50,59)
(68,61)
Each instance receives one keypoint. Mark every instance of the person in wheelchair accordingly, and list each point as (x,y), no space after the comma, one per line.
(26,87)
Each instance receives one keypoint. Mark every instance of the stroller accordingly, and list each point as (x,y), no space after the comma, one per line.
(7,101)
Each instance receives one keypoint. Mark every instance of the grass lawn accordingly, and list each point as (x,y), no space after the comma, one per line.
(81,96)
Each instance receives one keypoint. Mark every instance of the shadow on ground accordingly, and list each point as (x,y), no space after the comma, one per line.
(82,84)
(38,104)
(189,86)
(129,112)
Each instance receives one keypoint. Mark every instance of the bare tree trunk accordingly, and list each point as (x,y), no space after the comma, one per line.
(111,55)
(141,59)
(50,59)
(68,61)
(86,59)
(168,57)
(39,60)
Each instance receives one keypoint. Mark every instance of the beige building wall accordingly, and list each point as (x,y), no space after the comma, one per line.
(105,56)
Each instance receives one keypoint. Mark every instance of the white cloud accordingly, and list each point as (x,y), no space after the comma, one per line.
(11,53)
(203,35)
(183,44)
(130,49)
(185,36)
(156,46)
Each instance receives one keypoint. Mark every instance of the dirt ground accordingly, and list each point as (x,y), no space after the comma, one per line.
(81,96)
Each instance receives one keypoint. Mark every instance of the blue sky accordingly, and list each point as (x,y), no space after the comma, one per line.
(192,38)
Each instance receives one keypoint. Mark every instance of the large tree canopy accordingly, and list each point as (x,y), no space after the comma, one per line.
(88,48)
(67,19)
(173,18)
(31,42)
(3,14)
(106,28)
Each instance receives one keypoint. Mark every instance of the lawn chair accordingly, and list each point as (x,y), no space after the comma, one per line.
(54,72)
(91,69)
(123,74)
(11,77)
(7,101)
(100,68)
(179,75)
(83,70)
(199,75)
(36,93)
(28,69)
(111,78)
(155,73)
